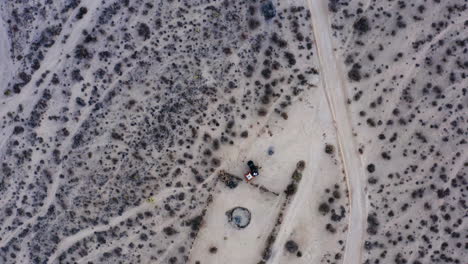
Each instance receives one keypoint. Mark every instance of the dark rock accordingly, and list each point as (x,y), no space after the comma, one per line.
(300,166)
(290,189)
(76,75)
(333,5)
(271,151)
(77,140)
(329,149)
(324,208)
(253,24)
(372,224)
(18,130)
(231,184)
(144,31)
(82,53)
(266,73)
(81,12)
(355,73)
(80,101)
(290,58)
(371,168)
(268,10)
(195,223)
(291,246)
(24,77)
(330,228)
(362,25)
(169,231)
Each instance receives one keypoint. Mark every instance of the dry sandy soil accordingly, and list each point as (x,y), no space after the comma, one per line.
(126,127)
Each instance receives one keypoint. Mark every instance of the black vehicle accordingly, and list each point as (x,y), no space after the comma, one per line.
(253,168)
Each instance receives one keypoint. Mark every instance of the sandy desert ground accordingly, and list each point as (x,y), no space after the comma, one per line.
(126,127)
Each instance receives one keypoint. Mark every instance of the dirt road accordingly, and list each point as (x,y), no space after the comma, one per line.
(334,85)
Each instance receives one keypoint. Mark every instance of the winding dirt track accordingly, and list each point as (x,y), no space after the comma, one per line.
(334,86)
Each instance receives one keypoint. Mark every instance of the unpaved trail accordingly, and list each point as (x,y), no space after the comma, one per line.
(299,200)
(334,86)
(67,242)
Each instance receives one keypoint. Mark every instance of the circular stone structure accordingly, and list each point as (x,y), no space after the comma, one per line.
(239,217)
